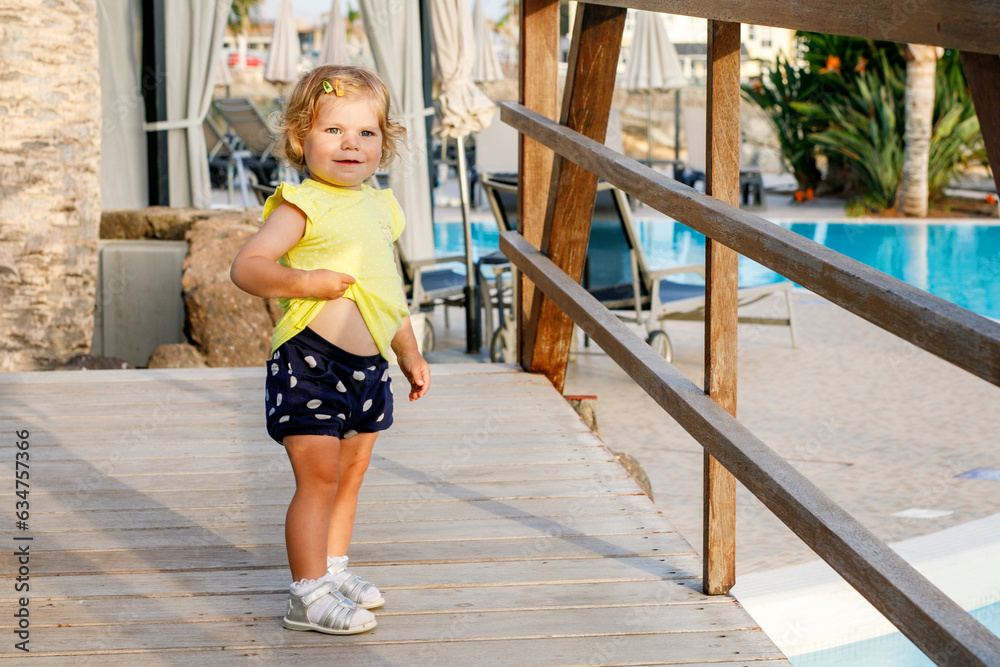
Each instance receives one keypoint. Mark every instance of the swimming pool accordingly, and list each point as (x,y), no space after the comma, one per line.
(892,650)
(960,263)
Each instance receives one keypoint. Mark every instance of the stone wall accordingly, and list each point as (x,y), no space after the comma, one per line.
(50,112)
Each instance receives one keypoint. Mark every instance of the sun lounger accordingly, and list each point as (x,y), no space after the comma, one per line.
(256,138)
(226,158)
(428,284)
(690,173)
(651,297)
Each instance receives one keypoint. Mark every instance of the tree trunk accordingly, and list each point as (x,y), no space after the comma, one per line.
(241,48)
(50,187)
(921,65)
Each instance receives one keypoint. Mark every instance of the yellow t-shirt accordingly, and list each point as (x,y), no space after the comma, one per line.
(349,231)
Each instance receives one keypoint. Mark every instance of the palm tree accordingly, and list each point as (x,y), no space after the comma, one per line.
(921,68)
(241,16)
(51,207)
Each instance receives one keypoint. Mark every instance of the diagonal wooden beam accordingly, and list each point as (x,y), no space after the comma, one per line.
(590,78)
(983,74)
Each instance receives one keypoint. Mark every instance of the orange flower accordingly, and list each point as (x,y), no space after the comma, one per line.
(860,67)
(832,65)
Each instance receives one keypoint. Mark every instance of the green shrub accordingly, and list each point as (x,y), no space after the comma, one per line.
(957,142)
(864,121)
(846,103)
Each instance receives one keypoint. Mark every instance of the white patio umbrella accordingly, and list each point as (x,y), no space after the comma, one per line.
(465,110)
(393,30)
(653,65)
(334,51)
(283,53)
(486,66)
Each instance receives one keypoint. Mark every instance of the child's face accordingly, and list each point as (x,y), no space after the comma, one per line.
(344,144)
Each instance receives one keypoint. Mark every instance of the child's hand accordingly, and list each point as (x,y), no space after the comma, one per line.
(327,285)
(417,372)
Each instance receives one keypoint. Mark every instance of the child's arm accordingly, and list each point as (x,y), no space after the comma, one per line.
(255,269)
(411,362)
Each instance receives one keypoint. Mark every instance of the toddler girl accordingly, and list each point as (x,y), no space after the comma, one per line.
(326,250)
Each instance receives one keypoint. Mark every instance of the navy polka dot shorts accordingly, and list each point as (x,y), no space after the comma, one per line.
(315,388)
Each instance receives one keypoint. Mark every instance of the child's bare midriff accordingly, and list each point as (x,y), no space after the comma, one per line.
(340,322)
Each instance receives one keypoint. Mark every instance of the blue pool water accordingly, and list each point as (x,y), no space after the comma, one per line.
(960,263)
(892,650)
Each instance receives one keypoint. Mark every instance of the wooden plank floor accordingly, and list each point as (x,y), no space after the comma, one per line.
(501,531)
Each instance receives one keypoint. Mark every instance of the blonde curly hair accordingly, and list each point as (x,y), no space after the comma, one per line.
(294,123)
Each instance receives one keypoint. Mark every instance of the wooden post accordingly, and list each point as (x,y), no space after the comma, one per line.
(593,57)
(722,182)
(538,79)
(983,73)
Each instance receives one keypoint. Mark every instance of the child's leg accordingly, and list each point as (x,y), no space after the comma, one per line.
(315,605)
(355,454)
(316,464)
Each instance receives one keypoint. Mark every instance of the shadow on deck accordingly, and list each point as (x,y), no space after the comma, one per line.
(501,531)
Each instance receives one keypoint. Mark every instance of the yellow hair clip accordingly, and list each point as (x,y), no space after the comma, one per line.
(336,88)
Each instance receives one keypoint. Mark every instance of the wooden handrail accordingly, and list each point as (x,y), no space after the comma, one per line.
(931,620)
(957,335)
(971,25)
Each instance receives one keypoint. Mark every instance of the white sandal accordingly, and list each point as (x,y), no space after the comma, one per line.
(355,588)
(336,620)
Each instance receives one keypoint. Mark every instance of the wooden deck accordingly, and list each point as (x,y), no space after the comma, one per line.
(501,531)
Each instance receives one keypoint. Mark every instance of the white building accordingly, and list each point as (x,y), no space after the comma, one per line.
(760,44)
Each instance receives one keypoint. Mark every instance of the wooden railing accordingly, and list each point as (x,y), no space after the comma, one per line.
(951,332)
(555,205)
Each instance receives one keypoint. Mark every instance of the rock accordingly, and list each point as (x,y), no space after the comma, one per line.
(154,222)
(93,362)
(273,310)
(229,326)
(126,223)
(635,471)
(176,355)
(586,407)
(171,223)
(212,245)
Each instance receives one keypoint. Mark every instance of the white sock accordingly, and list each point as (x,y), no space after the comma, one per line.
(339,578)
(335,560)
(318,608)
